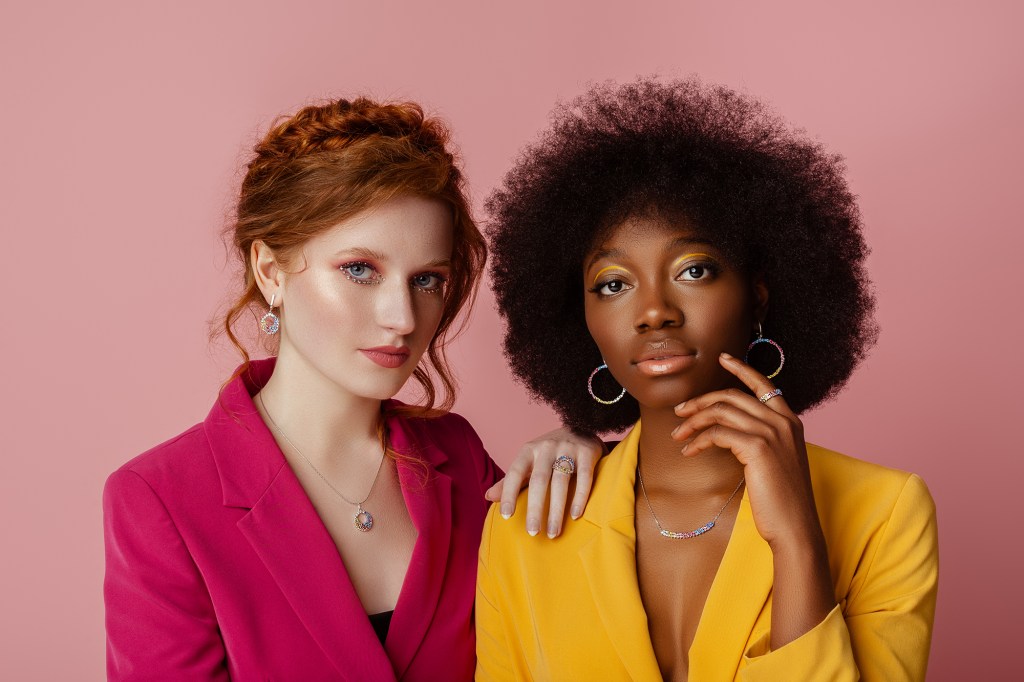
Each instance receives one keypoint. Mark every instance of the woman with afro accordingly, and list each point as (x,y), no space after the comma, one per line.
(672,259)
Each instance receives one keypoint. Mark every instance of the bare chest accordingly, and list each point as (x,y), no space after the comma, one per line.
(675,577)
(378,559)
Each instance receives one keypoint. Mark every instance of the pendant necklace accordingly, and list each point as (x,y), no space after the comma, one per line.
(363,520)
(693,533)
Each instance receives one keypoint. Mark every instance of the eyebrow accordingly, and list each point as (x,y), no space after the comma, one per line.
(616,253)
(370,254)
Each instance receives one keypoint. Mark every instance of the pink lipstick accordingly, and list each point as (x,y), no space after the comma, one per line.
(387,356)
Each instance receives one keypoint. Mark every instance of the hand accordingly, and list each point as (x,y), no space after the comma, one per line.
(767,438)
(534,459)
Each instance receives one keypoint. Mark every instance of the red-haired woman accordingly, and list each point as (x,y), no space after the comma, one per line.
(255,544)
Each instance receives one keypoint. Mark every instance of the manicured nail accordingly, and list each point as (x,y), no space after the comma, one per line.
(727,356)
(552,530)
(506,510)
(575,512)
(685,445)
(532,527)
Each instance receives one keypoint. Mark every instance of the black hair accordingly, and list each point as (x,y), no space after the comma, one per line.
(775,201)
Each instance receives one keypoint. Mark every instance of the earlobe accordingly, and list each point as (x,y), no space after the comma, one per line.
(760,290)
(265,270)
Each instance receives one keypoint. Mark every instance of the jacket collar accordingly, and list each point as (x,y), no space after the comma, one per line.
(287,534)
(738,593)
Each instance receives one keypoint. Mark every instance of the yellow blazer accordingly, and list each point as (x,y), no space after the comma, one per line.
(570,609)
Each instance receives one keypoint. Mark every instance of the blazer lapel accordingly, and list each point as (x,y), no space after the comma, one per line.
(287,534)
(737,597)
(609,561)
(428,497)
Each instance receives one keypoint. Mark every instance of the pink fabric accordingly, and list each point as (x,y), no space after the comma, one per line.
(218,567)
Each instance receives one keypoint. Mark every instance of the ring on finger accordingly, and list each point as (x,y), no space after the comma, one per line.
(770,394)
(565,464)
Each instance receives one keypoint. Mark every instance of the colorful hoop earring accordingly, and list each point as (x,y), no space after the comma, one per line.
(270,323)
(761,339)
(590,387)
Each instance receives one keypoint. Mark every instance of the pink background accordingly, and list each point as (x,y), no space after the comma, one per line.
(123,126)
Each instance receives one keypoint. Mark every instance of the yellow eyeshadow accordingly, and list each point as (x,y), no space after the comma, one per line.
(690,255)
(610,267)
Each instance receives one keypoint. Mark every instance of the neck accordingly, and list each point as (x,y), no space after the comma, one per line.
(712,472)
(329,425)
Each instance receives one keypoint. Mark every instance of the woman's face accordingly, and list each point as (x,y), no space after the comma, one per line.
(662,305)
(363,300)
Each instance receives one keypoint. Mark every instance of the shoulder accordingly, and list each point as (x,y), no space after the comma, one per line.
(850,484)
(878,522)
(178,462)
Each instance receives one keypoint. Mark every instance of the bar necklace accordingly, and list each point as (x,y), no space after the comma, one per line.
(693,533)
(363,520)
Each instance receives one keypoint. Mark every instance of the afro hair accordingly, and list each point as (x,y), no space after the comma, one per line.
(772,199)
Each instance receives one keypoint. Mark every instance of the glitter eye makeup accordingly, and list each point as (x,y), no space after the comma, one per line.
(361,273)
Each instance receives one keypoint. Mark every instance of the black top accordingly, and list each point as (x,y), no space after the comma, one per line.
(381,622)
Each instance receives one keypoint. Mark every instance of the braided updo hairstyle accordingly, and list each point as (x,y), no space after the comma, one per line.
(330,162)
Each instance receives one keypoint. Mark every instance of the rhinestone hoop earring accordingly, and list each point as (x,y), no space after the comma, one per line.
(590,387)
(761,339)
(270,323)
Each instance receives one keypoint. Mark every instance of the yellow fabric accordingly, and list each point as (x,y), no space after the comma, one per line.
(570,608)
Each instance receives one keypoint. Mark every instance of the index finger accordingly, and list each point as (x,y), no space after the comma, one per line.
(763,389)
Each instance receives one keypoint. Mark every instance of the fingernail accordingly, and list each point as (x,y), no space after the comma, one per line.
(506,510)
(575,512)
(552,531)
(532,527)
(727,356)
(685,445)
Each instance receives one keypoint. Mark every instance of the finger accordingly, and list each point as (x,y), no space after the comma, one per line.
(739,399)
(755,381)
(725,414)
(585,465)
(556,502)
(744,446)
(540,479)
(510,486)
(493,494)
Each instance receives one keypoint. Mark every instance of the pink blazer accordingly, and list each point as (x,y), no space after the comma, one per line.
(218,567)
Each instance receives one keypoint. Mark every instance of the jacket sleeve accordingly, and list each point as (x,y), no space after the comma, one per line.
(882,631)
(493,663)
(159,617)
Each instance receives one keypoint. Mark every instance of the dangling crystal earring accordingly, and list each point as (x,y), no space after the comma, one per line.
(590,387)
(761,339)
(270,323)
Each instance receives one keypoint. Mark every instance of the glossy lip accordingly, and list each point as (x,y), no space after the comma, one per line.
(664,357)
(387,356)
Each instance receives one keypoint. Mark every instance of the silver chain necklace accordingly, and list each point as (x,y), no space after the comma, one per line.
(693,533)
(363,519)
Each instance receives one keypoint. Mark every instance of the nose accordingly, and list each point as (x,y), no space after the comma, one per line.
(395,308)
(657,310)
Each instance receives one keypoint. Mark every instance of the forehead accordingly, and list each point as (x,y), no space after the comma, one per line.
(406,227)
(640,231)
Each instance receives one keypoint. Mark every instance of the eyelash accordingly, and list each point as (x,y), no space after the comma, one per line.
(378,278)
(712,270)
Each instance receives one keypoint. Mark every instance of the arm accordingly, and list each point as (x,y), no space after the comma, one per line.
(533,463)
(883,632)
(159,617)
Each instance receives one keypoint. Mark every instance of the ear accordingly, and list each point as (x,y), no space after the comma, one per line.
(760,292)
(267,271)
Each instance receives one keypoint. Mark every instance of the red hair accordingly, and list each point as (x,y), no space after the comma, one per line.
(330,162)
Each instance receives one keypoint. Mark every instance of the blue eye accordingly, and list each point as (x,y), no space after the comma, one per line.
(428,282)
(361,273)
